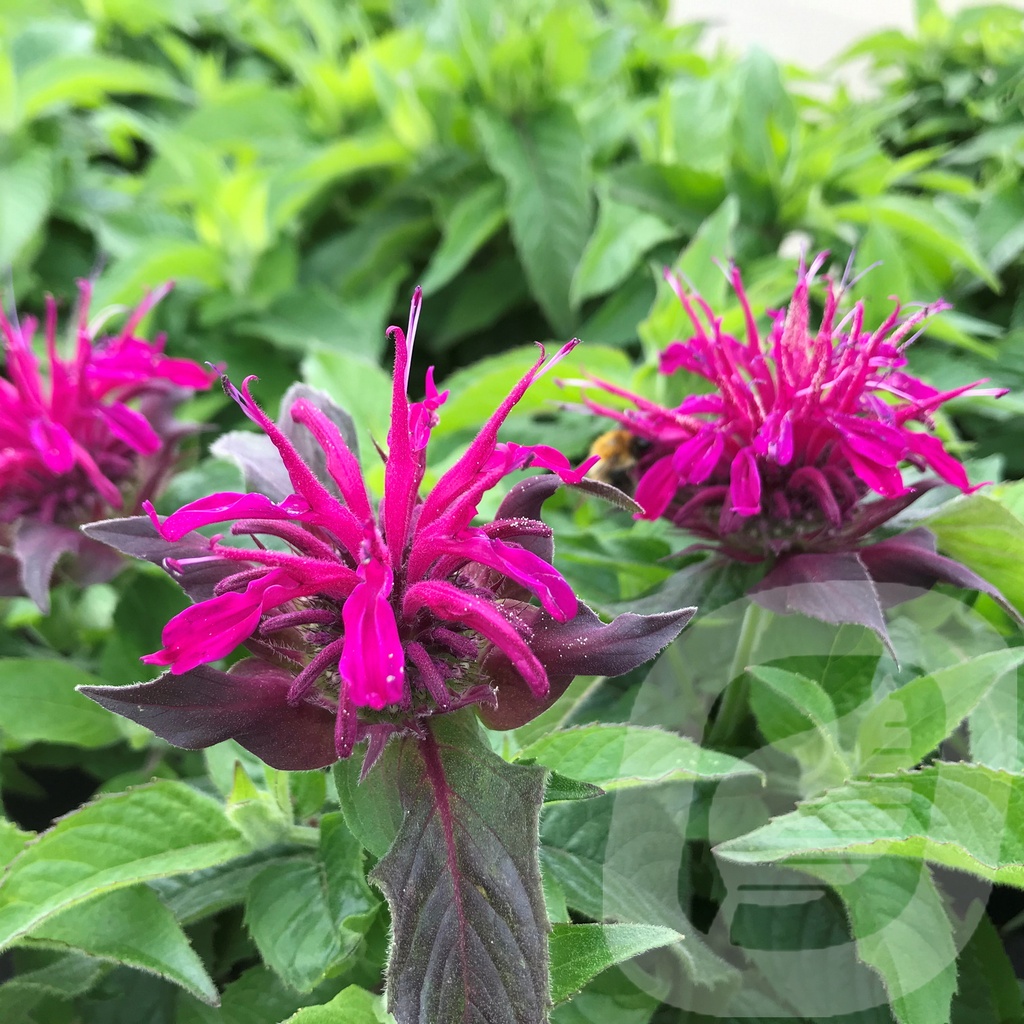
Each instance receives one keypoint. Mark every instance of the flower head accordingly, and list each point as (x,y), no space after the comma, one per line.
(365,620)
(800,445)
(81,437)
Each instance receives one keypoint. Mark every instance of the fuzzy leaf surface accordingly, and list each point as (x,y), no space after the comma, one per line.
(154,831)
(462,879)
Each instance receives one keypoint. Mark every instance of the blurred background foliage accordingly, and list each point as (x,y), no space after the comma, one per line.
(297,167)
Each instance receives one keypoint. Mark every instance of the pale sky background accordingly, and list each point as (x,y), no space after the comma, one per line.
(805,32)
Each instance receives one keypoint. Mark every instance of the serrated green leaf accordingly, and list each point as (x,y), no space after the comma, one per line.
(618,857)
(795,714)
(621,756)
(130,927)
(902,931)
(987,987)
(166,828)
(287,915)
(12,841)
(350,900)
(611,996)
(963,816)
(38,702)
(909,723)
(352,1005)
(543,160)
(462,880)
(987,537)
(471,222)
(580,952)
(621,238)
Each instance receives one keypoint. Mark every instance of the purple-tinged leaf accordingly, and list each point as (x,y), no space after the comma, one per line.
(911,562)
(197,573)
(608,492)
(526,498)
(462,879)
(38,546)
(249,703)
(834,587)
(583,646)
(10,576)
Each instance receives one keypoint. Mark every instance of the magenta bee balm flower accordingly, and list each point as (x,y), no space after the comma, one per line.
(799,450)
(86,436)
(800,445)
(363,621)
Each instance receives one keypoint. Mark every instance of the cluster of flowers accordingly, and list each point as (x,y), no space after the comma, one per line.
(363,621)
(92,434)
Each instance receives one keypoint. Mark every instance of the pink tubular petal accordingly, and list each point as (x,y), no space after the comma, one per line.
(54,445)
(745,484)
(546,457)
(131,427)
(526,568)
(372,664)
(341,463)
(931,450)
(695,460)
(212,629)
(454,605)
(224,507)
(465,472)
(657,487)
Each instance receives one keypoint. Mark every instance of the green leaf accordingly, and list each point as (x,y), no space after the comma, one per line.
(477,389)
(160,259)
(352,1005)
(622,236)
(902,931)
(287,914)
(987,986)
(543,160)
(12,841)
(987,537)
(360,387)
(370,808)
(795,714)
(257,997)
(85,80)
(38,703)
(130,927)
(963,816)
(912,721)
(667,319)
(64,978)
(350,900)
(26,191)
(163,829)
(580,952)
(618,857)
(919,221)
(621,756)
(472,221)
(462,880)
(610,997)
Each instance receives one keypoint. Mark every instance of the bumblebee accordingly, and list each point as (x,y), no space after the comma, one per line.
(619,450)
